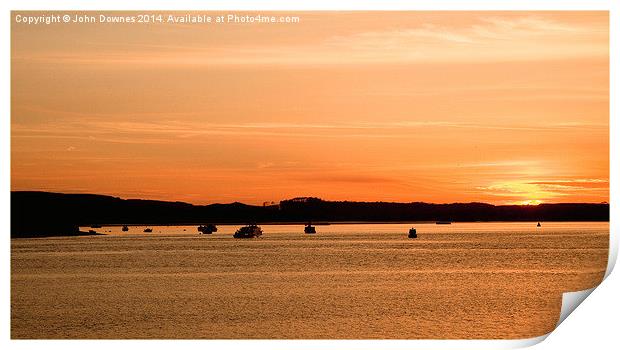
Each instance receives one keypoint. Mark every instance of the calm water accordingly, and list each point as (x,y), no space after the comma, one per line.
(478,280)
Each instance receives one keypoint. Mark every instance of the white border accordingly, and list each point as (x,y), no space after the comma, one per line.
(571,335)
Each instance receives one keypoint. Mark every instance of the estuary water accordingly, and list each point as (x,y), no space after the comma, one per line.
(348,281)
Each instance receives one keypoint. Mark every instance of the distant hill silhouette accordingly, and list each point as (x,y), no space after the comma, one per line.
(51,214)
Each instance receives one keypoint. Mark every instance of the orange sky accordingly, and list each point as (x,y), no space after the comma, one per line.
(393,106)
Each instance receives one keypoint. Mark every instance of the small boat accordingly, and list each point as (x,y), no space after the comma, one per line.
(207,229)
(309,228)
(413,233)
(95,226)
(92,232)
(249,231)
(148,230)
(538,225)
(125,228)
(443,223)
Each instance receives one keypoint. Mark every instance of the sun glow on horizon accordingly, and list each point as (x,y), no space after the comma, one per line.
(530,202)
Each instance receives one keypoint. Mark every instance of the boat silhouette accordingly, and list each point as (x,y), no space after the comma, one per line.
(413,233)
(148,230)
(125,228)
(207,229)
(249,231)
(309,228)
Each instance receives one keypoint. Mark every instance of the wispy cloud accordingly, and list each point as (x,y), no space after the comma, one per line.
(167,131)
(493,38)
(573,184)
(349,179)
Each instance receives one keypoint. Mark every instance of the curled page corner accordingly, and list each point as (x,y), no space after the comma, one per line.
(570,301)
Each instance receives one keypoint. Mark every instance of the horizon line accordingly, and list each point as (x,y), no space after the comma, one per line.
(306,197)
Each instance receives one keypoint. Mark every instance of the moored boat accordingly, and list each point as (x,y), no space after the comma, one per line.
(309,228)
(207,229)
(125,228)
(147,230)
(413,233)
(249,231)
(538,225)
